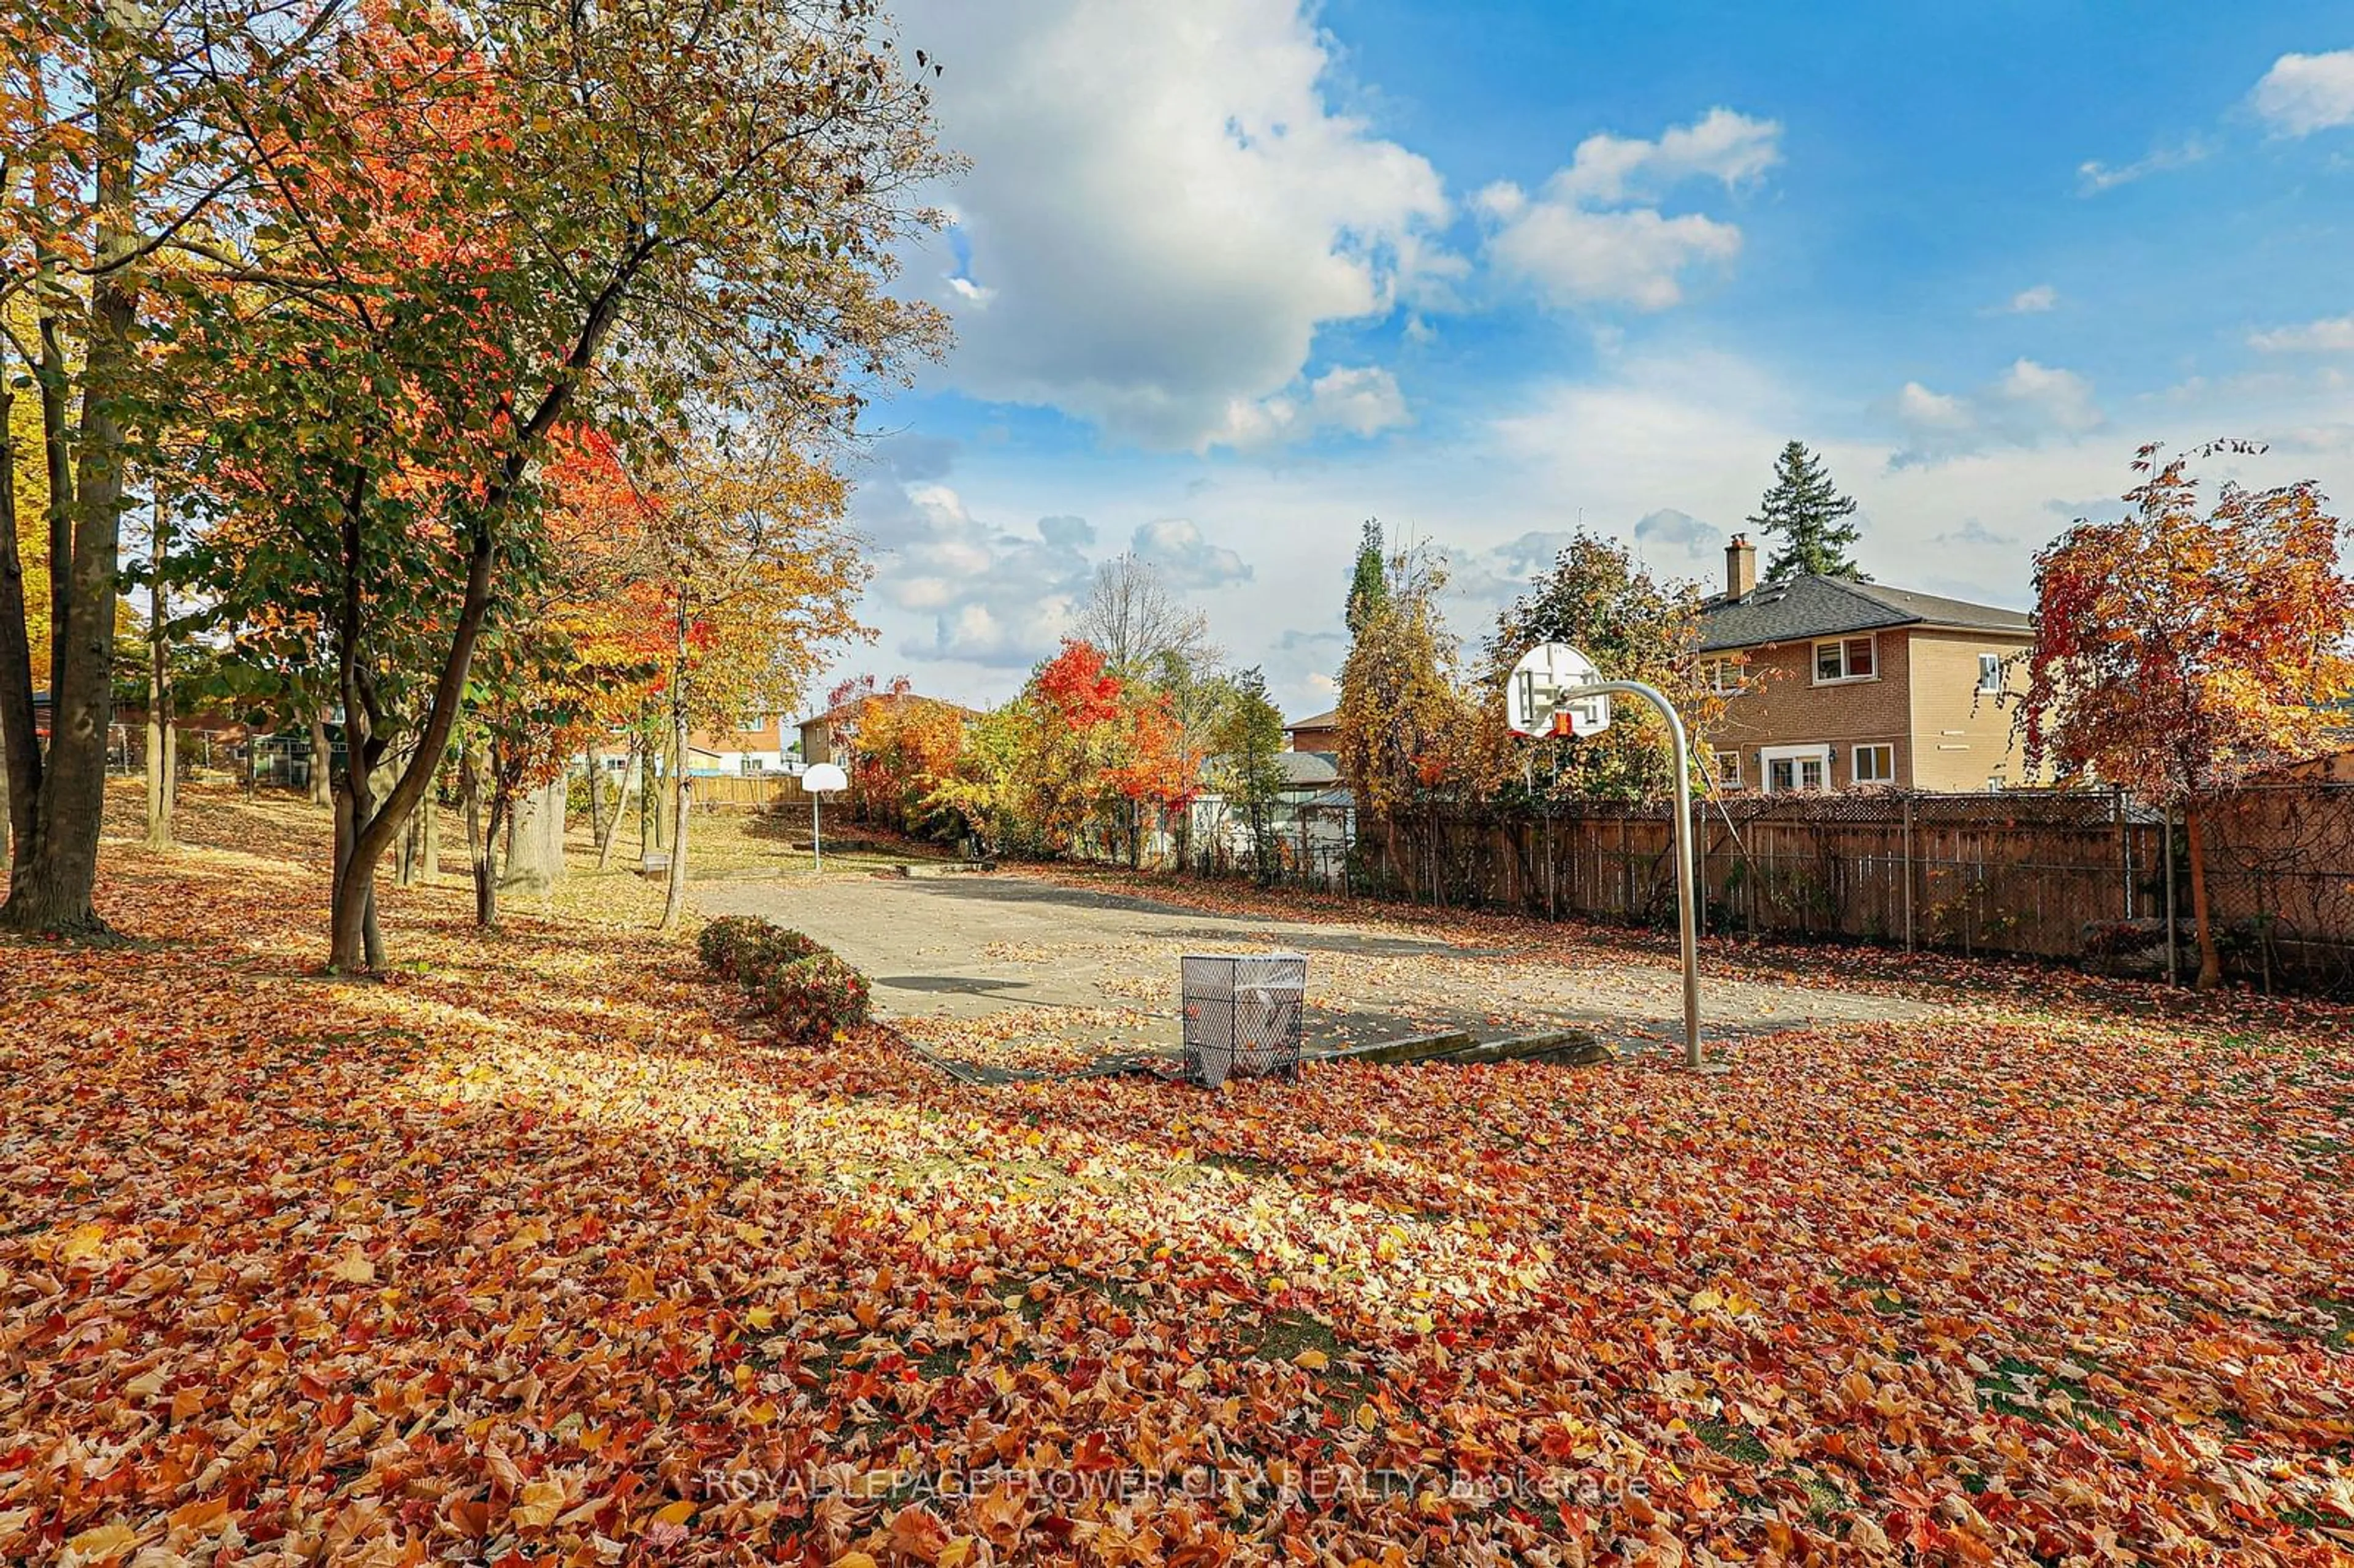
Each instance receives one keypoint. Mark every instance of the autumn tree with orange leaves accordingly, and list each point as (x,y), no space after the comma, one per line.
(758,578)
(522,198)
(577,658)
(901,748)
(2180,651)
(1406,724)
(124,160)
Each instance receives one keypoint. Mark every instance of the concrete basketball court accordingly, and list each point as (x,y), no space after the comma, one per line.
(1097,971)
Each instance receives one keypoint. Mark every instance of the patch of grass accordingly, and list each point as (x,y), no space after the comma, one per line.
(1289,1333)
(2021,1388)
(1825,1500)
(2339,1335)
(1240,1164)
(1733,1442)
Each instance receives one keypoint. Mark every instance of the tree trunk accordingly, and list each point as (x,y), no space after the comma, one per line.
(404,855)
(481,840)
(2211,961)
(428,825)
(612,827)
(358,941)
(323,762)
(420,839)
(674,895)
(52,887)
(159,743)
(20,779)
(649,823)
(534,839)
(596,799)
(162,771)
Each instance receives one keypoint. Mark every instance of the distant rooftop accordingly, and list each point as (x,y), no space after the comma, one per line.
(839,709)
(1328,719)
(1806,607)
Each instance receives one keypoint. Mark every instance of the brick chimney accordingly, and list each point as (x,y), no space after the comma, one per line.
(1740,567)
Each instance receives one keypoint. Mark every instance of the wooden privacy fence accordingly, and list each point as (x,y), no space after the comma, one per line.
(2062,876)
(749,791)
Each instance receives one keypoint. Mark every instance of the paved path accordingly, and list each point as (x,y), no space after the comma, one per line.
(1048,975)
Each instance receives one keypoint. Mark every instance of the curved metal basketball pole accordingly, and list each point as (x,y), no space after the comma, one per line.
(1687,902)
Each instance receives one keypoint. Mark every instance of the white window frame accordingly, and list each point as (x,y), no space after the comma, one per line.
(1729,778)
(1843,644)
(1989,668)
(1855,763)
(1723,675)
(1769,755)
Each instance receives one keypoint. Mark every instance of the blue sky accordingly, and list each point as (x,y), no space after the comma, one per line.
(1232,276)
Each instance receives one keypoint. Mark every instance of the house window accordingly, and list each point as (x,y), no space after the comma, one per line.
(1721,676)
(1848,659)
(1794,770)
(1875,765)
(749,764)
(1989,674)
(1728,769)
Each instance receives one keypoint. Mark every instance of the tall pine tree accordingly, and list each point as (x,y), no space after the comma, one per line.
(1369,584)
(1806,512)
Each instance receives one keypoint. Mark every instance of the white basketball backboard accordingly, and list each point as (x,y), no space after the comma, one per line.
(1533,701)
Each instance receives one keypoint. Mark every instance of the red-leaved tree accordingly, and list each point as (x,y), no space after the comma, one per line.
(2180,651)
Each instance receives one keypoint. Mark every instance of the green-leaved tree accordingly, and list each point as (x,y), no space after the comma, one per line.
(1249,738)
(1596,598)
(1804,510)
(1369,586)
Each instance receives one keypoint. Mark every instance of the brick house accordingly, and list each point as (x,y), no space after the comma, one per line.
(759,745)
(1837,685)
(821,732)
(1316,732)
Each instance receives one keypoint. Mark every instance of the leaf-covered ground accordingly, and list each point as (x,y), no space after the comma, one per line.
(538,1252)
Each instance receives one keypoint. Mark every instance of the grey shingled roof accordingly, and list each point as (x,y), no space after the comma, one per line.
(1328,719)
(1301,769)
(1307,767)
(1807,607)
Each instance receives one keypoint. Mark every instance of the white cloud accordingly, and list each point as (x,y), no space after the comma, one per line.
(2026,404)
(1163,206)
(1919,408)
(1732,149)
(1700,435)
(1576,242)
(1362,401)
(2331,335)
(1668,526)
(2051,398)
(2032,302)
(967,590)
(953,587)
(2305,93)
(1694,431)
(2093,177)
(1176,546)
(1636,258)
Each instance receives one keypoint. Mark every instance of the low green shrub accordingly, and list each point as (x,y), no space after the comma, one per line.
(745,948)
(810,992)
(814,998)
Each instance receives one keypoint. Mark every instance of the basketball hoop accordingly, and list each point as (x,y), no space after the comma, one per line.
(1536,703)
(1554,690)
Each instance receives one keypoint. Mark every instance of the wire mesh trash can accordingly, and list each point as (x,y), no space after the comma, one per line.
(1242,1013)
